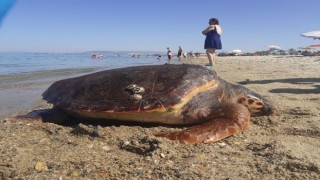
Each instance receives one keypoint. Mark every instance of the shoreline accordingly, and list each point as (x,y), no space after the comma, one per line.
(22,92)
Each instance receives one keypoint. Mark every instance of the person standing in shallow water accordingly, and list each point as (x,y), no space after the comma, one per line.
(169,53)
(179,53)
(212,41)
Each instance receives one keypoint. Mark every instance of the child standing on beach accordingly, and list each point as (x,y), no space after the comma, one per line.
(212,41)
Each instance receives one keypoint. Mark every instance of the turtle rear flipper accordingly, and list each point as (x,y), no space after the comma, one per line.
(225,121)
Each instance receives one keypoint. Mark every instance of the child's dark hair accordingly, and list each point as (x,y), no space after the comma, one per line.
(214,21)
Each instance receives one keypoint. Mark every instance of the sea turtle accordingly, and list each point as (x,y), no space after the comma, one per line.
(164,94)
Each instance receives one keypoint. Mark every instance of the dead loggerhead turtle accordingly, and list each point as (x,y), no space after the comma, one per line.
(166,94)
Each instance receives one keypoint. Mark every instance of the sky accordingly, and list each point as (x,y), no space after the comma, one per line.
(154,25)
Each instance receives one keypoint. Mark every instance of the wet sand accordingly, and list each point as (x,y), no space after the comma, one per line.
(282,147)
(19,92)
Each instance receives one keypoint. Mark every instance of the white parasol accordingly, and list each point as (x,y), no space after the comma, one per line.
(312,34)
(236,51)
(274,47)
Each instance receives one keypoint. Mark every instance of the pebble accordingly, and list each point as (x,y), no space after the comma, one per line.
(41,166)
(148,158)
(237,143)
(135,143)
(138,171)
(222,144)
(202,169)
(75,174)
(44,141)
(170,163)
(126,143)
(90,146)
(106,148)
(162,155)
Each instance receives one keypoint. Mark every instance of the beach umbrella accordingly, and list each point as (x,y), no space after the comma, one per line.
(274,47)
(310,48)
(312,34)
(236,51)
(306,48)
(315,46)
(5,5)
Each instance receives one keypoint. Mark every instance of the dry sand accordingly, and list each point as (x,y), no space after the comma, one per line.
(285,147)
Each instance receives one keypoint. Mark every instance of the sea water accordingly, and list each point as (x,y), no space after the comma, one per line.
(23,67)
(16,63)
(28,70)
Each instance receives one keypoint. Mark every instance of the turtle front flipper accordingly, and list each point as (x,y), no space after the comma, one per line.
(225,121)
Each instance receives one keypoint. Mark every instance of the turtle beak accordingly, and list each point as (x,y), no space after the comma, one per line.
(267,109)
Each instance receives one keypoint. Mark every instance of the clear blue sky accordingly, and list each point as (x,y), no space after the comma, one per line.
(120,25)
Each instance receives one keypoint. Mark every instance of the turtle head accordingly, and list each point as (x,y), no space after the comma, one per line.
(256,104)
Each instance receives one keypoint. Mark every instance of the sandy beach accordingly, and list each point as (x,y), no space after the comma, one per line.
(283,147)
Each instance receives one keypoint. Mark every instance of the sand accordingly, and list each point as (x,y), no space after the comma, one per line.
(282,147)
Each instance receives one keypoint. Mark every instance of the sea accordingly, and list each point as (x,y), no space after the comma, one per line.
(21,63)
(24,68)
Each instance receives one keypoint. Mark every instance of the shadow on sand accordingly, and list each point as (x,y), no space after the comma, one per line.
(313,82)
